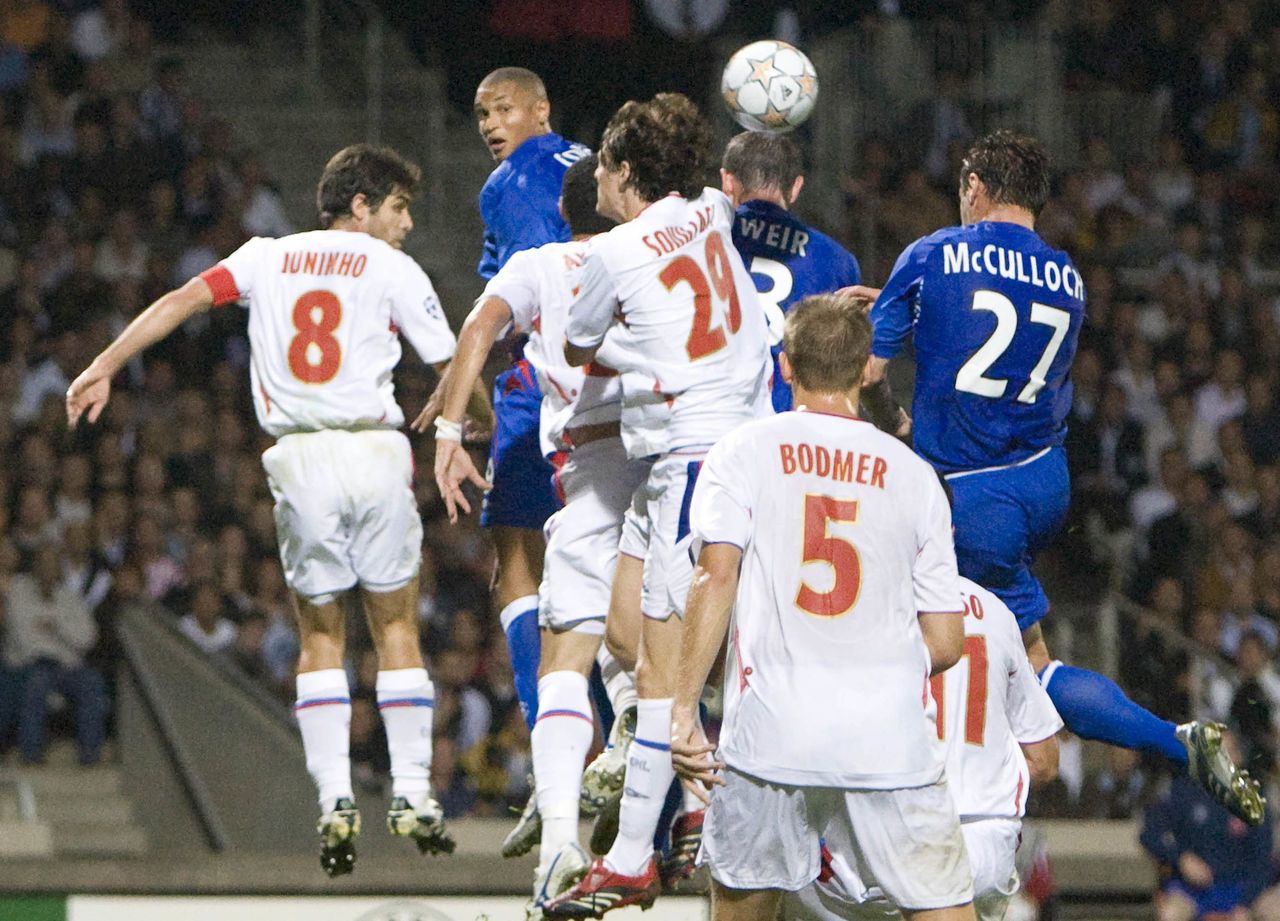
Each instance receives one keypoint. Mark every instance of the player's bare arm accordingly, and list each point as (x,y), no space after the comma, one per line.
(706,623)
(92,389)
(1042,759)
(453,465)
(944,638)
(578,355)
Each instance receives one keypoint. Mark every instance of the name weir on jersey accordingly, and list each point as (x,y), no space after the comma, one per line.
(348,264)
(779,236)
(999,261)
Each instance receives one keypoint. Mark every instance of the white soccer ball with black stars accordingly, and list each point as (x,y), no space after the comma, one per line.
(769,86)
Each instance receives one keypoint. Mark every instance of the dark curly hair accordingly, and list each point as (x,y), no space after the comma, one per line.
(363,168)
(1014,168)
(665,141)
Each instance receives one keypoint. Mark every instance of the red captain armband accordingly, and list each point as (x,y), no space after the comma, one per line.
(222,284)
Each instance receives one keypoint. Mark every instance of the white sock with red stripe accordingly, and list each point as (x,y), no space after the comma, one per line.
(649,775)
(560,739)
(405,700)
(323,710)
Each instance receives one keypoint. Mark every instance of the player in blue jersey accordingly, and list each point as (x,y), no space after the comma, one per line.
(788,261)
(996,313)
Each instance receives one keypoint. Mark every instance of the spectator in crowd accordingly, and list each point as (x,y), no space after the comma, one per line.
(206,624)
(1211,863)
(48,630)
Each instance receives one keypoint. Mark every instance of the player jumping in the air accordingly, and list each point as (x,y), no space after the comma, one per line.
(325,312)
(580,412)
(668,295)
(996,313)
(762,174)
(828,544)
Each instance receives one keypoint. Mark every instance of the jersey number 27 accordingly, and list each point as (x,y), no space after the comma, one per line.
(972,376)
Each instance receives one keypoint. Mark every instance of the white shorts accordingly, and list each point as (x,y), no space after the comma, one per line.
(668,560)
(634,540)
(345,510)
(905,843)
(990,843)
(598,482)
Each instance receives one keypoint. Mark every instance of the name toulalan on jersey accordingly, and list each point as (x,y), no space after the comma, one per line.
(846,539)
(669,299)
(989,704)
(326,312)
(999,261)
(538,286)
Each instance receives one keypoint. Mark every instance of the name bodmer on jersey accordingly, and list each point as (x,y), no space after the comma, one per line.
(1009,263)
(843,466)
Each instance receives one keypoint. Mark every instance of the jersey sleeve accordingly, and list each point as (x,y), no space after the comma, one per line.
(231,279)
(517,286)
(721,509)
(488,266)
(894,312)
(934,576)
(592,311)
(416,311)
(1031,713)
(852,273)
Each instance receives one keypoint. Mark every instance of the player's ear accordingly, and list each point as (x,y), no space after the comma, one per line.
(728,182)
(543,108)
(795,189)
(560,208)
(360,207)
(784,367)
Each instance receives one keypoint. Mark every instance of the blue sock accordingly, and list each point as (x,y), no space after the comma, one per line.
(1094,707)
(600,697)
(524,643)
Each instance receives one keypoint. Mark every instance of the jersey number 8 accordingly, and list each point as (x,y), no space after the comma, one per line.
(314,353)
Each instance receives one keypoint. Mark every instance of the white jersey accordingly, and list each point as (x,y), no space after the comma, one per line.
(670,292)
(325,312)
(988,703)
(846,538)
(538,285)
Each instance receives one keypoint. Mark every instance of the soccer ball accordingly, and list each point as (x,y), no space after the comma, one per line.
(769,86)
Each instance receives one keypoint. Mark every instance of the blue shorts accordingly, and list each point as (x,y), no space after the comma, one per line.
(1003,518)
(523,495)
(1217,898)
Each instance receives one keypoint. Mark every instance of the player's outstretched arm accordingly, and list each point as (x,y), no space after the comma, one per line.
(706,621)
(92,389)
(943,636)
(1042,759)
(453,465)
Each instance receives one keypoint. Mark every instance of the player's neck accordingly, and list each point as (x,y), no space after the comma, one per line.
(772,196)
(832,404)
(1010,214)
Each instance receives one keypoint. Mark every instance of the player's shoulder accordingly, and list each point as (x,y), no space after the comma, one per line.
(986,609)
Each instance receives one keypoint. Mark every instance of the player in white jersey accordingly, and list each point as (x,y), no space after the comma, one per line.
(828,545)
(666,293)
(1000,732)
(326,309)
(580,414)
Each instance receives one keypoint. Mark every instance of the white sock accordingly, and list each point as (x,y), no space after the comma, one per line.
(690,803)
(561,739)
(618,684)
(323,710)
(405,700)
(649,775)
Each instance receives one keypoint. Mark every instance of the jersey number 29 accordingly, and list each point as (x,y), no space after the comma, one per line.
(971,378)
(705,339)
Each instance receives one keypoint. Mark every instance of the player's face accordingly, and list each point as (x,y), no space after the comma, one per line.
(507,115)
(390,222)
(609,197)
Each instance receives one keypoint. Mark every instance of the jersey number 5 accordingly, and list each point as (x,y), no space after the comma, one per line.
(975,711)
(839,554)
(705,339)
(971,378)
(314,354)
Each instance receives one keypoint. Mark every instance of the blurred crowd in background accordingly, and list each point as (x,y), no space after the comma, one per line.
(116,184)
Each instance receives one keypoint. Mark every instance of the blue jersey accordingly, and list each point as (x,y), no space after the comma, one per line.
(788,262)
(519,203)
(996,314)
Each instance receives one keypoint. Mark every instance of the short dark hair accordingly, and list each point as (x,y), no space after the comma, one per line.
(667,143)
(578,197)
(1014,168)
(827,340)
(521,76)
(763,160)
(375,172)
